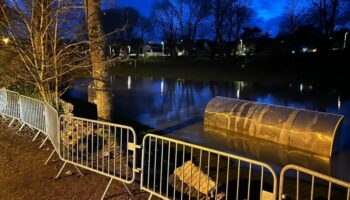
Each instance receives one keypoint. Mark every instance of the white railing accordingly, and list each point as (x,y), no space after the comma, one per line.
(172,169)
(52,129)
(10,105)
(52,125)
(311,185)
(33,113)
(102,147)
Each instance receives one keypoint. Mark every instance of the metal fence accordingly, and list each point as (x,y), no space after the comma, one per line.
(300,183)
(32,113)
(52,125)
(10,105)
(52,129)
(105,148)
(172,169)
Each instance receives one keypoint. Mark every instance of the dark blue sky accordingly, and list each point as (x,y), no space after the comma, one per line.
(268,11)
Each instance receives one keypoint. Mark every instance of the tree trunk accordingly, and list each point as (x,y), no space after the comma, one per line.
(321,16)
(100,72)
(39,45)
(325,17)
(332,20)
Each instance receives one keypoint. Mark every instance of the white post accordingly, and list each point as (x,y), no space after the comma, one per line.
(129,49)
(241,45)
(162,48)
(345,38)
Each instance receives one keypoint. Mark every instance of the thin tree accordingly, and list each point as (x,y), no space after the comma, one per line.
(328,11)
(238,15)
(164,17)
(180,19)
(220,11)
(45,35)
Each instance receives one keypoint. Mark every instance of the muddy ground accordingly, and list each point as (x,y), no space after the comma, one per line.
(23,174)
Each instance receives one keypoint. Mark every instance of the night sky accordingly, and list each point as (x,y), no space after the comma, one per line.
(267,12)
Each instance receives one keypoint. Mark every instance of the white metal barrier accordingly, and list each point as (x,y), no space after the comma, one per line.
(10,105)
(52,131)
(308,184)
(33,113)
(3,100)
(105,148)
(52,125)
(172,169)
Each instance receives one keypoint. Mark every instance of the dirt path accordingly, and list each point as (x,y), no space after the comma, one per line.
(23,174)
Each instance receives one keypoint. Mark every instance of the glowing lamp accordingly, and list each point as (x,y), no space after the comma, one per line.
(6,40)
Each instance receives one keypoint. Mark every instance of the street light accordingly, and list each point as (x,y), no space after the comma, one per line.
(6,40)
(345,38)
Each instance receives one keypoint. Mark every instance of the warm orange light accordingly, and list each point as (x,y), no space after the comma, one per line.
(6,40)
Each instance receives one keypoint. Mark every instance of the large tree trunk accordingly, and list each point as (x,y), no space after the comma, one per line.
(100,72)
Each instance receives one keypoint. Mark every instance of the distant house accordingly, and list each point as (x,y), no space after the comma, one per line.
(152,50)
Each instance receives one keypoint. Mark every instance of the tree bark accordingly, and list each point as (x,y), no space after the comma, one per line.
(100,71)
(40,43)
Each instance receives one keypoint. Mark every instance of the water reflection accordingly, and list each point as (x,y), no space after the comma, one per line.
(169,105)
(129,82)
(162,87)
(254,148)
(239,86)
(160,102)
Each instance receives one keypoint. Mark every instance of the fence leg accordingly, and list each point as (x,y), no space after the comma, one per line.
(127,189)
(78,170)
(48,160)
(13,120)
(36,135)
(20,129)
(150,196)
(105,192)
(59,173)
(42,144)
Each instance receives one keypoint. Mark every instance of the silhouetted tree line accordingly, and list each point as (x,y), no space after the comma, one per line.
(320,22)
(180,22)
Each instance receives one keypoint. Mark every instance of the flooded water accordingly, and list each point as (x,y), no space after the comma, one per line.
(176,107)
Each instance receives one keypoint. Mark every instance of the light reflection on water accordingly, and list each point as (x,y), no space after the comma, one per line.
(170,105)
(148,99)
(158,102)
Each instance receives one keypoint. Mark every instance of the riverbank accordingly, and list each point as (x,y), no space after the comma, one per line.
(307,68)
(195,69)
